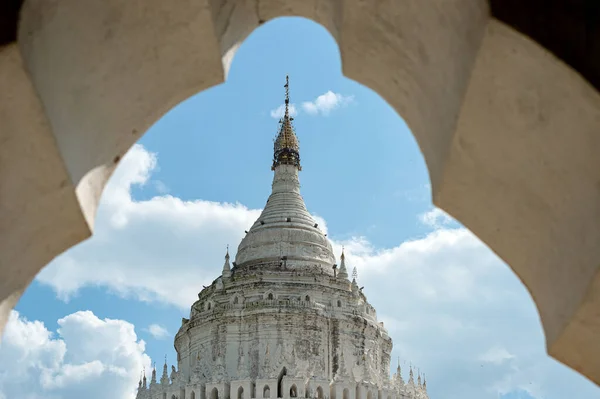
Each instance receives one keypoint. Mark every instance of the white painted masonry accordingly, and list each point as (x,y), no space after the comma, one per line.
(283,320)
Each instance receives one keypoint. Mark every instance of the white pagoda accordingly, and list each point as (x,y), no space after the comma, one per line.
(284,320)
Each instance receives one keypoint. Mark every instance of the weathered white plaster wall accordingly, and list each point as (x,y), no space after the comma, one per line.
(273,327)
(507,130)
(286,229)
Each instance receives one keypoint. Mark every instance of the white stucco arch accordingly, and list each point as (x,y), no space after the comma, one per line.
(266,391)
(270,295)
(480,95)
(307,297)
(237,299)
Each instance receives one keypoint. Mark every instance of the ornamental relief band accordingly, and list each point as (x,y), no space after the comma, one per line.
(213,369)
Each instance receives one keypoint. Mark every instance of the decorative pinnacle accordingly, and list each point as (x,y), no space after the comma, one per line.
(343,270)
(287,95)
(354,274)
(286,150)
(226,266)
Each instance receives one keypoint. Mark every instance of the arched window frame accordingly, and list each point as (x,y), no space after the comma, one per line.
(270,293)
(237,299)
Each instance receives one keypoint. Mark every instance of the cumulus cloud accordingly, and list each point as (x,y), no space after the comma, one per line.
(158,331)
(322,105)
(326,103)
(451,306)
(161,187)
(278,112)
(188,236)
(87,357)
(496,355)
(435,218)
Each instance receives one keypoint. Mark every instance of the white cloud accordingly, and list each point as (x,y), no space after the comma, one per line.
(435,218)
(326,103)
(88,357)
(496,355)
(161,187)
(278,112)
(164,230)
(158,331)
(322,105)
(450,305)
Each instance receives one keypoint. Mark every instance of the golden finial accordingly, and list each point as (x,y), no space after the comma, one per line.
(287,93)
(286,148)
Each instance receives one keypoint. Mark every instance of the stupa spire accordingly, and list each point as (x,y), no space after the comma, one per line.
(399,381)
(164,380)
(285,217)
(286,150)
(343,271)
(354,284)
(226,266)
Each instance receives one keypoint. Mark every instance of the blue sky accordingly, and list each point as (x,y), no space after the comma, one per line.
(198,179)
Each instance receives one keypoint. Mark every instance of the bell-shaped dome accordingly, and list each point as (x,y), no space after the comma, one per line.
(285,235)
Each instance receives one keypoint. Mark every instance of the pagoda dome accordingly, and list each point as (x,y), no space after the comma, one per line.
(286,235)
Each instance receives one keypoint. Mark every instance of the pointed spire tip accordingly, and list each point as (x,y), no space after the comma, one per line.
(286,147)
